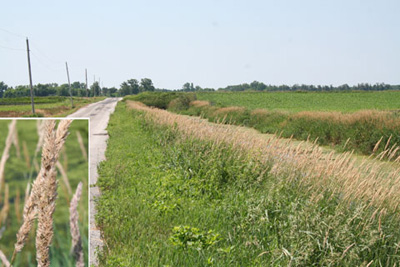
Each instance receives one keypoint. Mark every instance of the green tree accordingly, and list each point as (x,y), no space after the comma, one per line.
(134,86)
(146,85)
(63,90)
(3,88)
(95,89)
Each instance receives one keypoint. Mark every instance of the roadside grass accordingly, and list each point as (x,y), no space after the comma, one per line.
(169,199)
(47,107)
(19,171)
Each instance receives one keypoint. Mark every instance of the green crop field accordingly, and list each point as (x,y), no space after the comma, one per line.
(306,101)
(20,170)
(170,198)
(325,117)
(44,106)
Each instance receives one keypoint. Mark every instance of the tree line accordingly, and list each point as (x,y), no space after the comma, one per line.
(54,89)
(259,86)
(129,87)
(133,86)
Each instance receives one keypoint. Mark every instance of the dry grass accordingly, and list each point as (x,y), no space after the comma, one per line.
(199,103)
(81,145)
(26,155)
(6,206)
(4,259)
(17,206)
(228,110)
(6,151)
(380,118)
(76,248)
(41,201)
(322,173)
(15,142)
(64,177)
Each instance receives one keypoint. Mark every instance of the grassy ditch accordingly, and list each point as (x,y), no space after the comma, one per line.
(171,199)
(365,132)
(359,131)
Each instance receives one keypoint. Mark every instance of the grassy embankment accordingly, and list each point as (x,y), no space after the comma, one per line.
(177,191)
(345,121)
(18,170)
(44,106)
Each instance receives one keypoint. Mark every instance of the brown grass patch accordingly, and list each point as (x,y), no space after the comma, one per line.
(370,181)
(380,118)
(199,103)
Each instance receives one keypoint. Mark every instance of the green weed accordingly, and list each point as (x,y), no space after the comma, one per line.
(156,179)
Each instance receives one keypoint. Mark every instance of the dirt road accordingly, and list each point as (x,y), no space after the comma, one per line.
(99,114)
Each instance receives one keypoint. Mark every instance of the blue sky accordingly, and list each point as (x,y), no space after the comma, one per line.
(212,43)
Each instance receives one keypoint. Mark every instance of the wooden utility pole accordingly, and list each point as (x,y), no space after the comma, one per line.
(69,84)
(30,76)
(87,92)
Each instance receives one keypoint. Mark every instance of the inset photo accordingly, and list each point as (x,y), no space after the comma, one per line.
(44,192)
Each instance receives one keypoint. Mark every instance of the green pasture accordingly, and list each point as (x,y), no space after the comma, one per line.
(306,101)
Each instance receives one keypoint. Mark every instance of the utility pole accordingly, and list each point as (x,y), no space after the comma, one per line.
(87,93)
(69,84)
(30,76)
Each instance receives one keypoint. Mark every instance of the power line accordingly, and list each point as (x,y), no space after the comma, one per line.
(12,33)
(44,64)
(10,48)
(44,54)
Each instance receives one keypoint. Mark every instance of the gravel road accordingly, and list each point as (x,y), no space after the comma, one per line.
(99,114)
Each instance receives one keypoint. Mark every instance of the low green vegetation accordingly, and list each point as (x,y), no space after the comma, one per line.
(172,200)
(44,106)
(306,101)
(27,100)
(359,131)
(20,170)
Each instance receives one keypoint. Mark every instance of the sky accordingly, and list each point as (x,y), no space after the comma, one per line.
(211,43)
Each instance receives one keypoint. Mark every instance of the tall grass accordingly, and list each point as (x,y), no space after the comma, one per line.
(359,131)
(321,171)
(180,191)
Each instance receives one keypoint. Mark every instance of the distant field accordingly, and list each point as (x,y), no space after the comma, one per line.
(46,106)
(306,101)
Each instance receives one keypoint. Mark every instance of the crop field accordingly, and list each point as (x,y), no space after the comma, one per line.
(44,106)
(364,131)
(21,169)
(306,101)
(181,191)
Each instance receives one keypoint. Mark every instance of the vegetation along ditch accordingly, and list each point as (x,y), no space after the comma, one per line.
(180,191)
